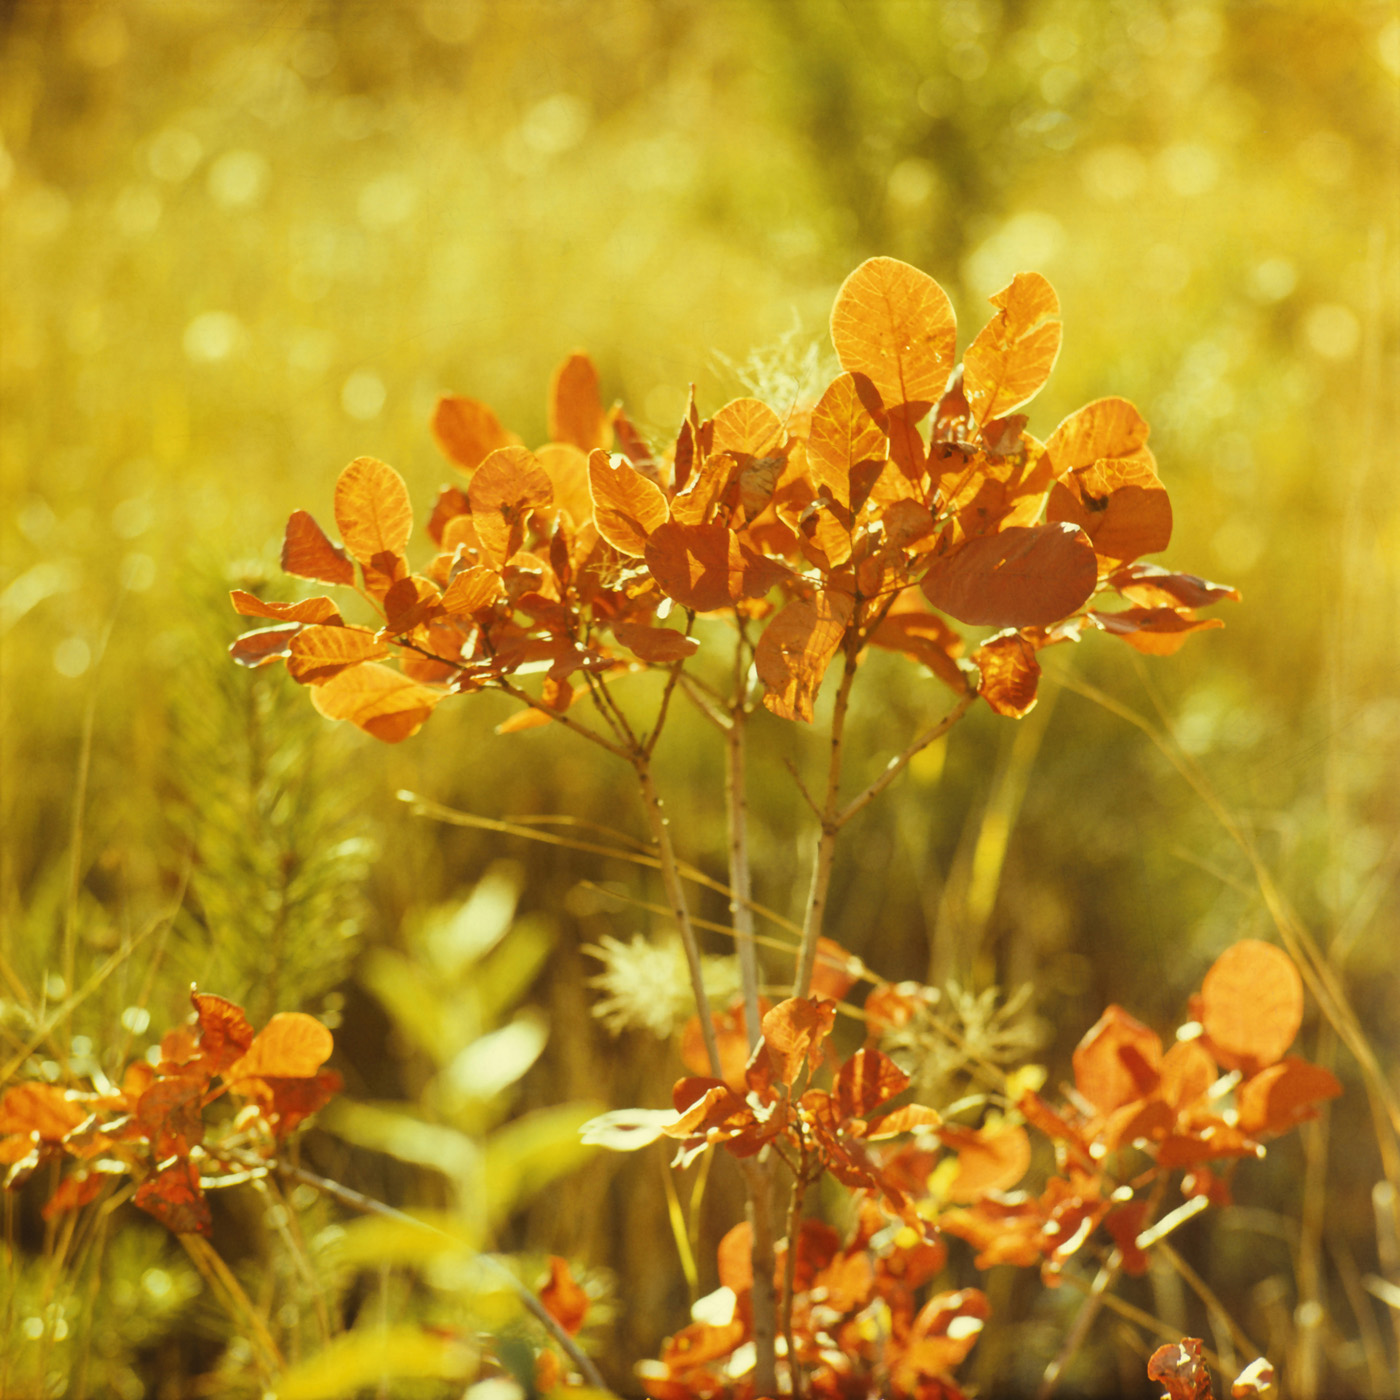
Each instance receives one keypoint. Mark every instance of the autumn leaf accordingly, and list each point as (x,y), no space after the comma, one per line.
(1283,1095)
(264,645)
(308,610)
(1117,1061)
(1152,586)
(988,1159)
(794,1032)
(467,430)
(171,1113)
(1012,357)
(318,653)
(1251,1004)
(174,1197)
(575,410)
(372,510)
(307,553)
(1025,575)
(909,627)
(747,428)
(44,1110)
(409,603)
(476,587)
(286,1102)
(1179,1367)
(1121,506)
(563,1299)
(378,699)
(795,649)
(224,1031)
(73,1193)
(659,645)
(507,486)
(700,566)
(1010,674)
(1155,631)
(844,435)
(566,466)
(866,1081)
(292,1045)
(895,325)
(626,506)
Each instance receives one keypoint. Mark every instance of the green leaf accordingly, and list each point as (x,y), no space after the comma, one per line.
(531,1151)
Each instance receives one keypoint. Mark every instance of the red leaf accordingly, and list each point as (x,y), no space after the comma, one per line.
(867,1080)
(575,410)
(1022,576)
(171,1114)
(1251,1004)
(372,510)
(794,1032)
(1156,631)
(174,1197)
(224,1031)
(307,552)
(1010,673)
(73,1193)
(466,430)
(626,506)
(895,325)
(1179,1367)
(796,648)
(563,1299)
(291,1045)
(286,1102)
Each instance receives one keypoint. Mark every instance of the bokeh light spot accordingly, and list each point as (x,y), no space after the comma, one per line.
(1188,169)
(1114,172)
(238,179)
(387,201)
(1333,331)
(72,657)
(136,210)
(555,125)
(212,336)
(138,572)
(362,395)
(1273,279)
(173,154)
(911,183)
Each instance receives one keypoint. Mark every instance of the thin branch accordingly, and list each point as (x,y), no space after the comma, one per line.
(695,692)
(1203,1291)
(802,788)
(1083,1321)
(559,717)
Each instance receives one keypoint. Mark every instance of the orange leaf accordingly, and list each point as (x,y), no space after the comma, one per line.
(1012,357)
(734,1258)
(1108,429)
(923,636)
(318,653)
(987,1161)
(224,1031)
(409,603)
(1283,1095)
(566,466)
(866,1081)
(747,428)
(626,506)
(657,644)
(732,1040)
(171,1113)
(844,434)
(1252,1004)
(1121,506)
(287,1101)
(895,325)
(73,1193)
(1117,1061)
(43,1109)
(793,1032)
(372,509)
(467,430)
(378,699)
(575,410)
(796,648)
(291,1046)
(451,504)
(507,485)
(308,610)
(1179,1367)
(1010,674)
(1155,631)
(1187,1074)
(563,1299)
(174,1197)
(700,566)
(307,552)
(835,970)
(264,645)
(1025,575)
(1152,586)
(471,590)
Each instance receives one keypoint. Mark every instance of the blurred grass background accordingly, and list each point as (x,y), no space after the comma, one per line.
(246,242)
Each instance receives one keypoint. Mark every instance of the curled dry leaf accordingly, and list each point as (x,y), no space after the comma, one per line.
(308,610)
(1010,673)
(794,1032)
(1179,1367)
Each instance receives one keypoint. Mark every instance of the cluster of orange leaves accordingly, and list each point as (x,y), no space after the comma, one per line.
(1135,1115)
(152,1127)
(835,525)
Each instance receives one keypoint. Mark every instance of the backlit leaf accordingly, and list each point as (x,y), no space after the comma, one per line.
(1012,357)
(1180,1368)
(1025,575)
(171,1114)
(308,610)
(44,1109)
(575,410)
(835,970)
(1152,586)
(700,566)
(1283,1095)
(866,1081)
(794,1032)
(988,1160)
(627,1129)
(174,1197)
(317,653)
(747,428)
(506,487)
(844,434)
(224,1030)
(1107,429)
(466,430)
(626,506)
(1117,1061)
(656,644)
(291,1045)
(563,1299)
(264,645)
(1156,631)
(307,553)
(1252,1002)
(474,588)
(895,325)
(923,636)
(288,1101)
(796,648)
(372,509)
(1010,674)
(567,469)
(1121,506)
(378,699)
